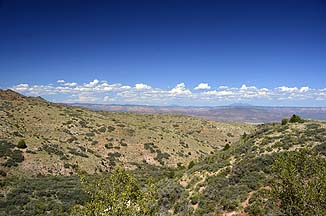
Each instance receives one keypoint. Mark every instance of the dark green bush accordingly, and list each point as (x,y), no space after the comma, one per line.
(21,144)
(191,164)
(284,121)
(296,119)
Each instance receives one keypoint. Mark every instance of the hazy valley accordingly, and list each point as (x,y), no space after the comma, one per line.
(232,113)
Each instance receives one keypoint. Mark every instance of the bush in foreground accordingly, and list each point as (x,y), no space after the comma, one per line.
(299,185)
(118,193)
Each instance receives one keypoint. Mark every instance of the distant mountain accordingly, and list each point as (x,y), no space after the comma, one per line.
(232,113)
(240,105)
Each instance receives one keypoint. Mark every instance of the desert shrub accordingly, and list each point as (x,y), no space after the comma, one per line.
(191,164)
(5,148)
(111,129)
(3,173)
(312,126)
(41,196)
(118,193)
(299,183)
(230,134)
(102,129)
(52,149)
(296,119)
(113,157)
(67,131)
(72,139)
(77,152)
(83,124)
(226,147)
(90,134)
(22,144)
(15,157)
(94,142)
(284,121)
(150,146)
(321,148)
(16,133)
(108,145)
(169,192)
(161,156)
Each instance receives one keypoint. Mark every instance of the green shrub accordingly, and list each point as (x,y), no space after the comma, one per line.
(21,144)
(299,183)
(296,119)
(191,164)
(117,194)
(284,121)
(226,147)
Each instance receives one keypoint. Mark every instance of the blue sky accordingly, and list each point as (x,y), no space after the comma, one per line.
(258,52)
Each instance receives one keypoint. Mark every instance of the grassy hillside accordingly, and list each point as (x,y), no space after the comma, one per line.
(61,138)
(237,180)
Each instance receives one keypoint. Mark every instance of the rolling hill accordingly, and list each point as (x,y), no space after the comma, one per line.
(60,138)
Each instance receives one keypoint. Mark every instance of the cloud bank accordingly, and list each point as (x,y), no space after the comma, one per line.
(101,91)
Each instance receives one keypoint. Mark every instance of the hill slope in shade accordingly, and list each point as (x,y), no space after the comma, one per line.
(60,138)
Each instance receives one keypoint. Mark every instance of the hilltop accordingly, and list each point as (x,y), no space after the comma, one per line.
(60,138)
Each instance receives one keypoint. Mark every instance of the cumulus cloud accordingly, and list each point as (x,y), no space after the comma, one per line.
(97,91)
(180,89)
(304,89)
(70,84)
(202,86)
(218,93)
(22,87)
(142,86)
(92,83)
(60,81)
(287,89)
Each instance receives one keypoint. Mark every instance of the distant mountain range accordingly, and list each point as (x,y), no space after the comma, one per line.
(231,113)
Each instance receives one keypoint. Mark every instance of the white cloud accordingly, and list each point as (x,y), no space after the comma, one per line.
(142,86)
(92,83)
(245,88)
(180,89)
(70,84)
(21,87)
(97,91)
(60,81)
(287,89)
(202,86)
(218,93)
(304,89)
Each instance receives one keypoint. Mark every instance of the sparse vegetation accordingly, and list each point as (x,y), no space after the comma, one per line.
(199,167)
